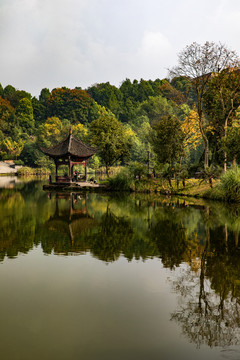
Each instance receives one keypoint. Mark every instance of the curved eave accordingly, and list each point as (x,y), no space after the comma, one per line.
(70,146)
(54,156)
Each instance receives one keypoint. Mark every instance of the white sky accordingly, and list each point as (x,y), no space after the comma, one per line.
(54,43)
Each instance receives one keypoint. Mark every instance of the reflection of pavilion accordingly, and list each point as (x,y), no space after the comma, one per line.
(67,225)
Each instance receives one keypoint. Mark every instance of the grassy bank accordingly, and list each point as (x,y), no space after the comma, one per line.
(227,188)
(27,171)
(193,187)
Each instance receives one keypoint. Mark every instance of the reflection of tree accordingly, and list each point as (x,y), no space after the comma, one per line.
(169,235)
(209,310)
(19,216)
(113,237)
(170,239)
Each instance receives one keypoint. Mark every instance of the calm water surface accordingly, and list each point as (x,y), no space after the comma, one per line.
(117,277)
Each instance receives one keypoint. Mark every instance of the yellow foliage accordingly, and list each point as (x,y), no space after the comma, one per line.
(12,147)
(53,126)
(190,127)
(130,133)
(80,131)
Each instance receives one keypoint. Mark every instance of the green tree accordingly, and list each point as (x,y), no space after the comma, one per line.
(40,106)
(107,95)
(128,112)
(9,93)
(231,143)
(155,107)
(25,117)
(112,140)
(221,100)
(73,104)
(167,139)
(142,147)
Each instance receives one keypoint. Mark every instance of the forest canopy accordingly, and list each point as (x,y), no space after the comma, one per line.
(190,119)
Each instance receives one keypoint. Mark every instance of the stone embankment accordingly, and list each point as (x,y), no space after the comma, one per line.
(8,167)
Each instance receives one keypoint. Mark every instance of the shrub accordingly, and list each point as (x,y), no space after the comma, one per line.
(230,185)
(18,162)
(209,173)
(138,170)
(122,181)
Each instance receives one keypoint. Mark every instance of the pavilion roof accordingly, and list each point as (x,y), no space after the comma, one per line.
(70,146)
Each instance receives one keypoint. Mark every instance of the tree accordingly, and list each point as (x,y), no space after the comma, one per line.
(25,117)
(11,147)
(40,106)
(191,130)
(44,95)
(170,93)
(9,93)
(199,63)
(221,99)
(107,95)
(167,140)
(142,148)
(109,135)
(80,131)
(50,133)
(155,107)
(231,143)
(73,104)
(7,113)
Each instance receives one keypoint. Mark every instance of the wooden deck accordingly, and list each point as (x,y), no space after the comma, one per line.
(73,186)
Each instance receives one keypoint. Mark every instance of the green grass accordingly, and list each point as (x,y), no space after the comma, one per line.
(25,171)
(121,181)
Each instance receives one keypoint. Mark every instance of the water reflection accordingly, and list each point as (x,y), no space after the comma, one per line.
(200,241)
(64,231)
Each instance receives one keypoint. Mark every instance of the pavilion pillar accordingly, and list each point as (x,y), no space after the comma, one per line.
(56,169)
(70,169)
(85,165)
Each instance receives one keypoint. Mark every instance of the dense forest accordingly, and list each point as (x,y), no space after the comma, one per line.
(187,123)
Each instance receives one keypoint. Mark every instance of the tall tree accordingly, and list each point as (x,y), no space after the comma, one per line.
(109,135)
(221,100)
(107,95)
(167,139)
(199,63)
(231,143)
(73,104)
(25,117)
(7,113)
(50,132)
(155,107)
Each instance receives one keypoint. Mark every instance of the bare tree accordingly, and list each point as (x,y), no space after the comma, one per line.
(199,63)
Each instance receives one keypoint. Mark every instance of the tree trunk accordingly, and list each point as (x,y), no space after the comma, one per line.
(205,139)
(206,161)
(107,171)
(225,162)
(225,135)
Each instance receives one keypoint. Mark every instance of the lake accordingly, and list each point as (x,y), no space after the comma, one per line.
(117,276)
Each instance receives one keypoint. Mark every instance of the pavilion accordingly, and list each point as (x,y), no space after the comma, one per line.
(70,152)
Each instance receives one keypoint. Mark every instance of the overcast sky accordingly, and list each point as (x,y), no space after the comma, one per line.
(54,43)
